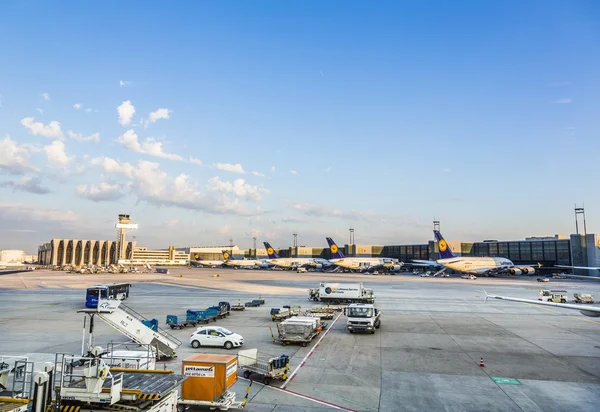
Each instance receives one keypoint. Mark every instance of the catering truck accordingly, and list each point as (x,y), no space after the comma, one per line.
(362,317)
(341,293)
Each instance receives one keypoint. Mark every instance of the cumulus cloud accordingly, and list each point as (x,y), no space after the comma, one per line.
(57,157)
(236,168)
(14,157)
(159,114)
(113,166)
(293,172)
(272,168)
(19,211)
(77,106)
(88,110)
(27,184)
(126,112)
(52,130)
(94,137)
(326,211)
(40,111)
(196,161)
(150,147)
(255,173)
(149,183)
(101,193)
(45,96)
(238,188)
(124,83)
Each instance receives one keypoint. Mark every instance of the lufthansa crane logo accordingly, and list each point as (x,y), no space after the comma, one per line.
(334,248)
(196,256)
(226,255)
(598,244)
(443,245)
(270,251)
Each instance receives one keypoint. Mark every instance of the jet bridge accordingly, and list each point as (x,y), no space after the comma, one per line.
(130,324)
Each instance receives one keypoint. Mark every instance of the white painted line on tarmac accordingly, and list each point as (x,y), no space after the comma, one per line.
(309,353)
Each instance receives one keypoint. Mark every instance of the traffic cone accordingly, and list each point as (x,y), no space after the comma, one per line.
(481,363)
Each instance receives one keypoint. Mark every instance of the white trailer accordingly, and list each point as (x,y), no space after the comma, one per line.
(342,293)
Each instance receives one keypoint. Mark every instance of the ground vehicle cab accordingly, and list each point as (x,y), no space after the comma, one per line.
(215,336)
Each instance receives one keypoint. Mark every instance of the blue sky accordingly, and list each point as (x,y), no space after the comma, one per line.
(267,118)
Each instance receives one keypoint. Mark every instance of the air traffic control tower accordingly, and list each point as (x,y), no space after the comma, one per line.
(123,224)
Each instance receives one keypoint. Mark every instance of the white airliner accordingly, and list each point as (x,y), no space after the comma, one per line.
(473,264)
(591,311)
(207,263)
(361,264)
(293,263)
(246,263)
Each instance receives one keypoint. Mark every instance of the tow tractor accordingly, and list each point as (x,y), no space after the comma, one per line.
(556,296)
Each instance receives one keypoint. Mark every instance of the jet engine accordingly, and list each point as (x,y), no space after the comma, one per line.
(514,271)
(395,268)
(528,270)
(318,266)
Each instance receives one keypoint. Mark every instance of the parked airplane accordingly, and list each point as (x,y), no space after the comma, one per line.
(591,311)
(293,263)
(358,263)
(247,263)
(473,264)
(582,267)
(207,263)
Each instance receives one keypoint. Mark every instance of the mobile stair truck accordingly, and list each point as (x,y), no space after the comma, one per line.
(86,384)
(362,317)
(209,379)
(130,324)
(336,293)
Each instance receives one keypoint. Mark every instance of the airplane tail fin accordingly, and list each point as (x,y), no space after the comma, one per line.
(271,251)
(445,251)
(227,255)
(336,253)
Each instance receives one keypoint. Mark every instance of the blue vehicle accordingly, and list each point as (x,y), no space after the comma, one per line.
(205,315)
(109,291)
(179,322)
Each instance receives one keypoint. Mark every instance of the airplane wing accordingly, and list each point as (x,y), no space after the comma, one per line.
(423,263)
(591,311)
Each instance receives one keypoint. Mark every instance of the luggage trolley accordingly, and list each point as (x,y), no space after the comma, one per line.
(270,367)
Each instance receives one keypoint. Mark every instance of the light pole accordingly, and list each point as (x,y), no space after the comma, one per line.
(254,239)
(295,244)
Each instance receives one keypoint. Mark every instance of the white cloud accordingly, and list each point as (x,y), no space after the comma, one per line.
(238,188)
(57,157)
(326,211)
(40,111)
(236,168)
(45,96)
(564,101)
(14,157)
(159,114)
(126,112)
(19,211)
(124,83)
(27,184)
(94,137)
(255,173)
(113,166)
(150,147)
(328,169)
(102,192)
(293,172)
(77,106)
(196,161)
(88,110)
(52,130)
(272,168)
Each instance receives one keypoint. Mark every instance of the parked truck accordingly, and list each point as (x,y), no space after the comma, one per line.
(362,317)
(583,298)
(556,296)
(341,293)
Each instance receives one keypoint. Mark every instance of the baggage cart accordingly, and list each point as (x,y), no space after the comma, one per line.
(205,315)
(253,303)
(239,306)
(278,314)
(583,298)
(270,367)
(179,322)
(298,330)
(320,315)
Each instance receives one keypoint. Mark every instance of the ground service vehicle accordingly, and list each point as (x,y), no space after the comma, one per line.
(342,293)
(583,298)
(362,317)
(215,336)
(118,291)
(556,296)
(269,366)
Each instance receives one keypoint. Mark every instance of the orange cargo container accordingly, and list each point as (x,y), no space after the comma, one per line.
(208,376)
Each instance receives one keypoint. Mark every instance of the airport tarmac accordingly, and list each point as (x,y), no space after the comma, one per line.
(425,356)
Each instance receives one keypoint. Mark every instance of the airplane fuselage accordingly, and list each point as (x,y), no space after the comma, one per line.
(477,265)
(364,263)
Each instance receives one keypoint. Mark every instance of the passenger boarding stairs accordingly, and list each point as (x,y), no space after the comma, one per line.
(439,272)
(129,323)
